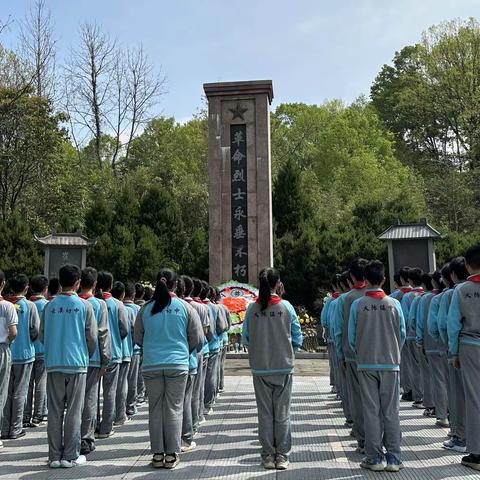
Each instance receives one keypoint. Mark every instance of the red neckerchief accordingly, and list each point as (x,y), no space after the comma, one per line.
(35,298)
(274,300)
(173,295)
(15,298)
(107,295)
(474,278)
(406,289)
(418,289)
(85,296)
(335,295)
(51,297)
(376,294)
(360,285)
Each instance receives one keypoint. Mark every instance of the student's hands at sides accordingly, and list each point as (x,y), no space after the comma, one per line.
(12,333)
(101,372)
(456,363)
(344,364)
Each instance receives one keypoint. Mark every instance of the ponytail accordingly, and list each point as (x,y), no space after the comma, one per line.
(268,279)
(166,283)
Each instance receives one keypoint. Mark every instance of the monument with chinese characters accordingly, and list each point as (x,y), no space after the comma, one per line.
(63,248)
(240,185)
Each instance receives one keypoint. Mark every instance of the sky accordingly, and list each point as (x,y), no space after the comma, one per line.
(312,50)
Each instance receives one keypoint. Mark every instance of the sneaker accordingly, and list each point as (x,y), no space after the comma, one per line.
(30,424)
(407,397)
(1,444)
(442,422)
(348,424)
(360,450)
(281,462)
(74,463)
(18,435)
(123,421)
(472,461)
(171,460)
(140,400)
(429,412)
(418,404)
(352,433)
(188,447)
(103,436)
(448,444)
(450,434)
(269,462)
(376,465)
(85,447)
(158,460)
(208,411)
(459,446)
(37,421)
(393,464)
(55,464)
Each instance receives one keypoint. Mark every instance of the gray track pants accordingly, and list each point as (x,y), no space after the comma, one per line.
(201,393)
(133,385)
(273,394)
(165,392)
(330,364)
(414,370)
(122,392)
(456,402)
(140,381)
(355,401)
(36,405)
(109,384)
(342,385)
(12,423)
(439,370)
(5,369)
(426,375)
(64,426)
(380,392)
(211,380)
(470,365)
(221,369)
(187,423)
(197,404)
(89,414)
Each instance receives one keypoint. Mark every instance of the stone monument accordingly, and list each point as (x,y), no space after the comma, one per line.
(240,185)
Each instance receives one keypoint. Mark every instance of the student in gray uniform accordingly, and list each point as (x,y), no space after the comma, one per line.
(376,336)
(8,333)
(272,332)
(223,354)
(98,362)
(140,301)
(344,351)
(169,333)
(69,333)
(463,325)
(23,356)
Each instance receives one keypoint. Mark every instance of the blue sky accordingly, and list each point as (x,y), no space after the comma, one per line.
(312,50)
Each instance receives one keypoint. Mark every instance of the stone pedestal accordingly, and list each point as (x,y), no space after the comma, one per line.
(240,186)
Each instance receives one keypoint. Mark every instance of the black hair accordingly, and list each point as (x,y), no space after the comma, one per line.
(335,281)
(18,283)
(447,275)
(104,283)
(166,282)
(375,272)
(118,290)
(357,268)
(344,276)
(188,282)
(88,278)
(427,281)
(53,286)
(396,279)
(472,257)
(218,296)
(404,273)
(416,276)
(180,287)
(69,275)
(212,294)
(2,276)
(197,287)
(280,290)
(268,279)
(457,266)
(139,291)
(148,294)
(205,290)
(437,278)
(130,290)
(38,283)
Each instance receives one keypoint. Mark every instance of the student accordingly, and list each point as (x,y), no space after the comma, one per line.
(36,407)
(140,301)
(272,332)
(8,333)
(168,334)
(69,333)
(133,372)
(54,288)
(187,425)
(408,303)
(227,323)
(344,351)
(98,362)
(456,394)
(397,284)
(139,294)
(376,336)
(23,356)
(118,327)
(463,326)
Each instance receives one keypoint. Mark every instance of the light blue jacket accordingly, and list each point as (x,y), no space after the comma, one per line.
(118,326)
(40,303)
(137,350)
(23,349)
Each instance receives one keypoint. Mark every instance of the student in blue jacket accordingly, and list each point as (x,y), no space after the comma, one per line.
(272,332)
(36,407)
(169,334)
(69,334)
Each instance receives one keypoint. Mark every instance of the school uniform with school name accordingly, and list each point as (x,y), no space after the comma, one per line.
(23,357)
(376,336)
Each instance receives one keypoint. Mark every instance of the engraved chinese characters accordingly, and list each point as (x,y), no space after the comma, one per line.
(238,151)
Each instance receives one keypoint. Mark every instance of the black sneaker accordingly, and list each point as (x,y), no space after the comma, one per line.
(418,404)
(407,397)
(87,447)
(472,461)
(18,435)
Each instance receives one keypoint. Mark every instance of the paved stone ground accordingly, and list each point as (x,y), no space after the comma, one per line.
(228,446)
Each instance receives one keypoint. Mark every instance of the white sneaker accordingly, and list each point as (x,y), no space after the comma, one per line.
(1,444)
(209,411)
(55,464)
(74,463)
(188,447)
(202,421)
